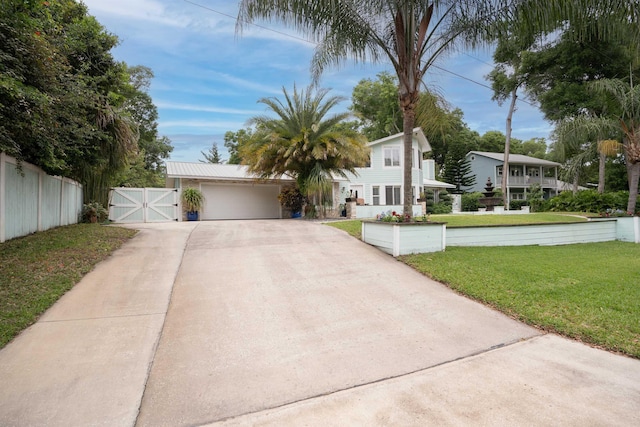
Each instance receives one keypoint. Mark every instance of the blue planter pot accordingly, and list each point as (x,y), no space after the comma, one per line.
(192,216)
(296,214)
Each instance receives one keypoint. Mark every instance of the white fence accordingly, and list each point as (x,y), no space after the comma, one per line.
(31,200)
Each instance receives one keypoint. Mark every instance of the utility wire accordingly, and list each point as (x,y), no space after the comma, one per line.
(316,44)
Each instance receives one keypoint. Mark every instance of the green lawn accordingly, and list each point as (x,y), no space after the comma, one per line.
(38,269)
(589,292)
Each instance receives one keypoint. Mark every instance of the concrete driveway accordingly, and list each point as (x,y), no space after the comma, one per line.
(293,323)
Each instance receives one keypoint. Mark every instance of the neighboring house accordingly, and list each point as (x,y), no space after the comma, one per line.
(524,171)
(231,192)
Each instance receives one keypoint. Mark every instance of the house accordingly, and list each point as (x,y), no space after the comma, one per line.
(379,186)
(524,171)
(231,192)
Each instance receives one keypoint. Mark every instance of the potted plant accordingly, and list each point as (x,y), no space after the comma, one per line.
(192,200)
(293,200)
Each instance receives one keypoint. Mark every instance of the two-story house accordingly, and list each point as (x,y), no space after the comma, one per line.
(523,172)
(379,185)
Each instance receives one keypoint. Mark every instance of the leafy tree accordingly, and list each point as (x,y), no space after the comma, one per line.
(61,94)
(233,141)
(506,78)
(534,147)
(557,74)
(302,142)
(212,156)
(375,103)
(411,35)
(140,106)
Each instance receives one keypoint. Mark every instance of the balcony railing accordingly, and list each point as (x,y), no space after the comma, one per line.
(527,181)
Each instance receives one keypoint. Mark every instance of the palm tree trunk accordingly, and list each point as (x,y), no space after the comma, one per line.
(633,172)
(507,147)
(602,159)
(408,123)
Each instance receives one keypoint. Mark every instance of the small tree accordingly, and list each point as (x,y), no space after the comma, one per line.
(212,156)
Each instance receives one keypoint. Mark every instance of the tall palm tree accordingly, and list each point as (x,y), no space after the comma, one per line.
(303,143)
(411,35)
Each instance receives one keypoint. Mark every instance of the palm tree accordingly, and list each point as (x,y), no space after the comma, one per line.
(602,133)
(411,35)
(301,142)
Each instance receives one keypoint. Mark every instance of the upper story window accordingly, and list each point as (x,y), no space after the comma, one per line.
(535,172)
(499,170)
(392,156)
(416,158)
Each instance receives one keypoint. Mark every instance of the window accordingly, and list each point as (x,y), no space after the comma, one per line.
(392,194)
(517,196)
(368,162)
(499,170)
(375,192)
(392,156)
(515,172)
(416,158)
(533,172)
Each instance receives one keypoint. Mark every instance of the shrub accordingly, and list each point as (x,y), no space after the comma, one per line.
(292,199)
(589,201)
(94,212)
(515,205)
(470,201)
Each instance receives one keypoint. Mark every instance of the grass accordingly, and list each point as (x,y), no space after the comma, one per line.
(353,227)
(589,292)
(38,269)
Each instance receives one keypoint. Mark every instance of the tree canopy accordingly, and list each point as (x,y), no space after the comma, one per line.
(63,97)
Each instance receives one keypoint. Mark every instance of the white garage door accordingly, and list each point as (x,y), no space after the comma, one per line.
(240,201)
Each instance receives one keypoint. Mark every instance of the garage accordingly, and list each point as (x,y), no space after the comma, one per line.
(240,201)
(230,191)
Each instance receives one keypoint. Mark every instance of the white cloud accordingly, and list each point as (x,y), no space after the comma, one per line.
(205,109)
(143,10)
(210,125)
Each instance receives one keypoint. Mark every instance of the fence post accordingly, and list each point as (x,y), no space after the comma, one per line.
(3,169)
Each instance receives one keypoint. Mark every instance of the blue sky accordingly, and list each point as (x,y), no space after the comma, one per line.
(208,79)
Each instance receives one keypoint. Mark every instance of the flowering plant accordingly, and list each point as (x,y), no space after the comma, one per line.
(393,216)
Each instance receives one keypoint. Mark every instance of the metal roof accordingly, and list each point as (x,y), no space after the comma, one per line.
(516,158)
(211,171)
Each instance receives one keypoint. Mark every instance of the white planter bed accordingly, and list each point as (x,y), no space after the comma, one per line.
(404,238)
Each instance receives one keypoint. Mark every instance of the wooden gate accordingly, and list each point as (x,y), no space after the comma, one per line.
(143,204)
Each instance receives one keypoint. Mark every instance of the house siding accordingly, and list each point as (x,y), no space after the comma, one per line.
(379,175)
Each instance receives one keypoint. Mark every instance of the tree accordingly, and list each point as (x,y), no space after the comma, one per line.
(62,94)
(212,156)
(622,123)
(302,142)
(233,141)
(411,35)
(375,103)
(506,78)
(457,167)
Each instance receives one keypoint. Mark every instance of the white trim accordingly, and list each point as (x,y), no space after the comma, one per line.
(400,156)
